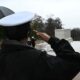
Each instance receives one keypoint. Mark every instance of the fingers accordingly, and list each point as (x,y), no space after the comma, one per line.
(42,35)
(35,31)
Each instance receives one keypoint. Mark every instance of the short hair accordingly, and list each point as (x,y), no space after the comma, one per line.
(17,32)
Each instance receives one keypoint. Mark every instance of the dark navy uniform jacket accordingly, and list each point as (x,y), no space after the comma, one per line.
(21,62)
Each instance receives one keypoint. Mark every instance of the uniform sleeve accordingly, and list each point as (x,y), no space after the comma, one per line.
(63,49)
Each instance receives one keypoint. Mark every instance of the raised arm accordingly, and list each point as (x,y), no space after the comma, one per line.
(62,47)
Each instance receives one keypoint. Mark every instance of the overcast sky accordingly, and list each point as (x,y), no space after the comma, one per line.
(67,10)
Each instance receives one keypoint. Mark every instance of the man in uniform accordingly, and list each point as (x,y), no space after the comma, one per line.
(19,61)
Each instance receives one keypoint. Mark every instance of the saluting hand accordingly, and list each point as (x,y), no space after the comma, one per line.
(42,35)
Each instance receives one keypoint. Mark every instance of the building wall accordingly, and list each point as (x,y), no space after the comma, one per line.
(63,34)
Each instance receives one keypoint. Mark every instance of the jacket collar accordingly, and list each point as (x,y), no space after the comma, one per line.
(13,45)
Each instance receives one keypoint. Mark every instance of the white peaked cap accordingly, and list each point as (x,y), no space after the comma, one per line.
(16,19)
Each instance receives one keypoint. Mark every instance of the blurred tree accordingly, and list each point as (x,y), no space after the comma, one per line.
(75,34)
(37,23)
(58,23)
(52,24)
